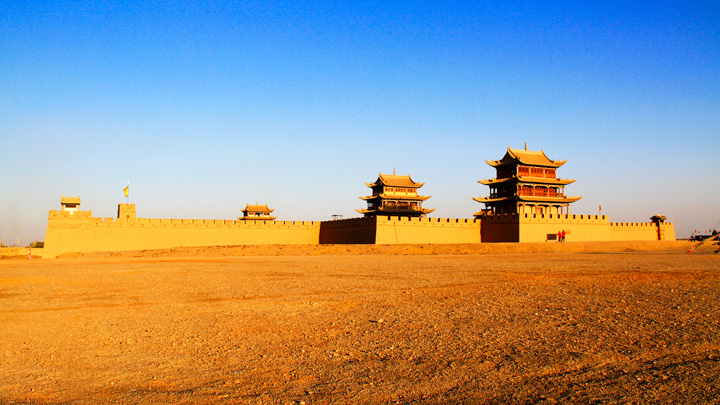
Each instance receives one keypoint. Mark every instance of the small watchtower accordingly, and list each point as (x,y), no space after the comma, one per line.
(70,204)
(257,213)
(395,195)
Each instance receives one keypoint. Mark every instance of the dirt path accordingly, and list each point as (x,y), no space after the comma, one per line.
(490,328)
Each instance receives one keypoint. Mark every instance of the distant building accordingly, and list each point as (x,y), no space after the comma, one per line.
(257,213)
(70,204)
(394,195)
(526,183)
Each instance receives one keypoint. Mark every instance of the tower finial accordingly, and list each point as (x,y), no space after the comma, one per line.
(393,171)
(525,145)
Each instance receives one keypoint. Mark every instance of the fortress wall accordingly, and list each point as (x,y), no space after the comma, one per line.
(624,231)
(668,231)
(79,231)
(348,231)
(400,230)
(405,230)
(83,233)
(501,228)
(578,228)
(66,233)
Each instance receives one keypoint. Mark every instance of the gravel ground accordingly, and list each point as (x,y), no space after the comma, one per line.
(559,327)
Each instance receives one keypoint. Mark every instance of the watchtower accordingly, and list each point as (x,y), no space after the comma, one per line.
(257,213)
(394,195)
(70,204)
(126,212)
(526,183)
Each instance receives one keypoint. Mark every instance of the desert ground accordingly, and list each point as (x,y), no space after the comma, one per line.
(419,324)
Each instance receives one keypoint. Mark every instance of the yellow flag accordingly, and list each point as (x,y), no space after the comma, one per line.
(126,190)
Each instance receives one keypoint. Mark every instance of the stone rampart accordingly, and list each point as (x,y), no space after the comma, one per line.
(501,228)
(578,228)
(627,231)
(400,230)
(349,231)
(80,232)
(406,230)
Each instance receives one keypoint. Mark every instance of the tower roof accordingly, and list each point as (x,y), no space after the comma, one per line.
(527,157)
(257,208)
(69,200)
(547,200)
(395,181)
(522,179)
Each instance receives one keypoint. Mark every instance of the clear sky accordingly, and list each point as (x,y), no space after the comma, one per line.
(208,106)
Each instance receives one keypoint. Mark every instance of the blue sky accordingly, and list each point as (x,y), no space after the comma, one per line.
(208,106)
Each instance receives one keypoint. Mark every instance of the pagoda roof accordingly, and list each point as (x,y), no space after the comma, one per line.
(396,210)
(396,197)
(257,208)
(527,157)
(395,181)
(548,199)
(527,179)
(527,199)
(257,218)
(69,200)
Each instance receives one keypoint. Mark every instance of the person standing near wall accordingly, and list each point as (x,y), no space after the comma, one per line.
(562,236)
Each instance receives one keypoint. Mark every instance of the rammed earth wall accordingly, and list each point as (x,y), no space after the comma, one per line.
(400,230)
(578,228)
(404,230)
(81,232)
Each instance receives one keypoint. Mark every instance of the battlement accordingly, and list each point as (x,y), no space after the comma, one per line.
(441,222)
(74,215)
(545,218)
(80,232)
(638,224)
(200,223)
(349,222)
(500,219)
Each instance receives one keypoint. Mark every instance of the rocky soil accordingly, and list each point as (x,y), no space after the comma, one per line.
(577,323)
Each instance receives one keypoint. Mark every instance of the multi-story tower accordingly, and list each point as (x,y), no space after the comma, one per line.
(257,213)
(526,183)
(395,196)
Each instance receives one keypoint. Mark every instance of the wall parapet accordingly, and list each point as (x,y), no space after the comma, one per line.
(69,214)
(348,222)
(176,222)
(437,222)
(80,232)
(638,224)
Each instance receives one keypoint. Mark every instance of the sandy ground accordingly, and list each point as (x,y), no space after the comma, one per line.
(428,324)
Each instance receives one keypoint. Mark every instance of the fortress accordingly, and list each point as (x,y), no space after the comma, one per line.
(527,203)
